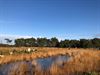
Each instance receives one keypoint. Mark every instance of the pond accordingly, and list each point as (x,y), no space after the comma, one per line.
(29,66)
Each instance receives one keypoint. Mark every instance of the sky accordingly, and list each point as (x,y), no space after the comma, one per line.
(64,19)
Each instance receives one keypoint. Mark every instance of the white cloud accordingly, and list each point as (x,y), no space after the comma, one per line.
(60,37)
(11,37)
(97,35)
(15,36)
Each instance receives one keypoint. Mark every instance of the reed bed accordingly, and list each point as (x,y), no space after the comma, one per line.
(82,62)
(46,52)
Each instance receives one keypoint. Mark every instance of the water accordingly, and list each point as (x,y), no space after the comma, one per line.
(40,63)
(46,63)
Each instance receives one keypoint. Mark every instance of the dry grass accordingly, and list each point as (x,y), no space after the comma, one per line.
(83,60)
(46,52)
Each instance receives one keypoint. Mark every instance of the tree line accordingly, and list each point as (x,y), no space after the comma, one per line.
(54,42)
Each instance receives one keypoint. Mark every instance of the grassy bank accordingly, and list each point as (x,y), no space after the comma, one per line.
(82,62)
(46,52)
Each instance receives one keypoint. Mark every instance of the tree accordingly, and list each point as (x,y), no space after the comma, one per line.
(74,43)
(54,42)
(42,42)
(20,42)
(96,42)
(30,42)
(8,40)
(86,43)
(64,43)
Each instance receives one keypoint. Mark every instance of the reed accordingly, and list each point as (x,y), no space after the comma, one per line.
(82,62)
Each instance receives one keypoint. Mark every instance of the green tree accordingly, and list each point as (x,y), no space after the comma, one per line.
(84,43)
(30,42)
(65,43)
(74,43)
(96,42)
(54,42)
(42,42)
(20,42)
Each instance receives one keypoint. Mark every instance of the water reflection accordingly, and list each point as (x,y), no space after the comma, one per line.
(24,67)
(46,63)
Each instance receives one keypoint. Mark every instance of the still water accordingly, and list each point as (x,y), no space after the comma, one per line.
(40,63)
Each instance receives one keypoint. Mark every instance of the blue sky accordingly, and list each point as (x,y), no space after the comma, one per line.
(65,19)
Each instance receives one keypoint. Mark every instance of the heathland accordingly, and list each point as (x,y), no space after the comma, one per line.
(82,62)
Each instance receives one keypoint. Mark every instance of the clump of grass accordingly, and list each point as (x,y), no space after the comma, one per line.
(21,69)
(82,62)
(91,73)
(83,57)
(43,52)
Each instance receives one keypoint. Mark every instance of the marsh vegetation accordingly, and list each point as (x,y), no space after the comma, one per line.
(50,61)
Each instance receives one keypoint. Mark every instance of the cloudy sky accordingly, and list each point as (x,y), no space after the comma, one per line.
(65,19)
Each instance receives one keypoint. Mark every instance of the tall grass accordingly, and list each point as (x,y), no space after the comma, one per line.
(44,52)
(82,62)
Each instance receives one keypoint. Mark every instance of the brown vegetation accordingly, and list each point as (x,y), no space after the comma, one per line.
(46,52)
(82,60)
